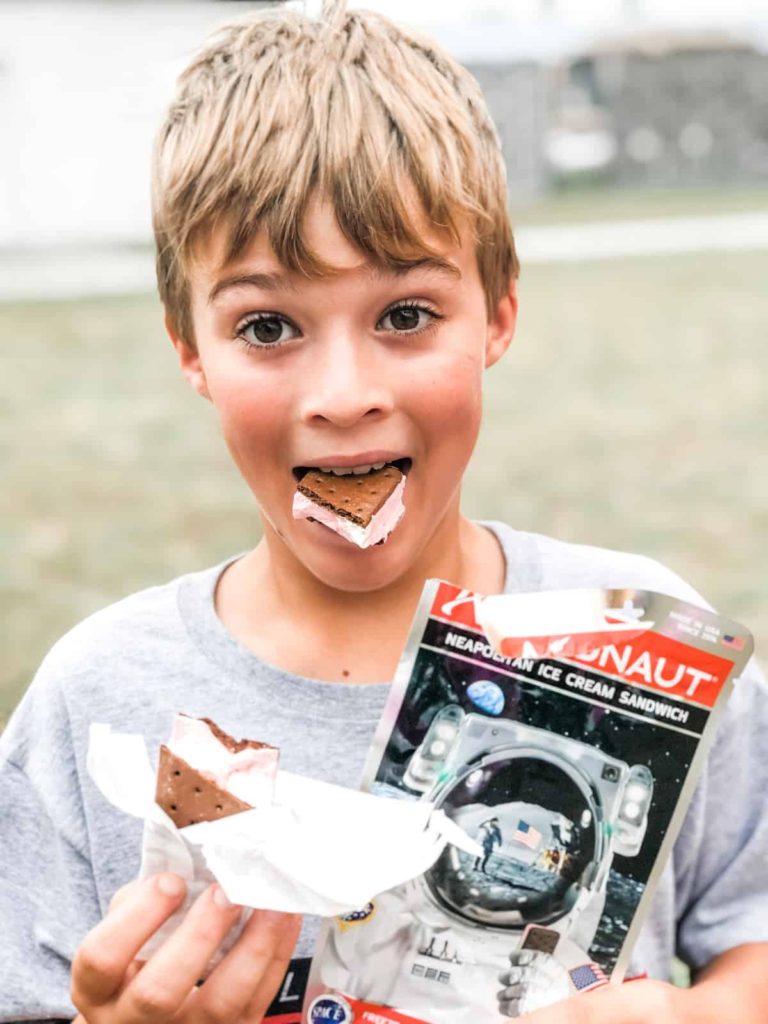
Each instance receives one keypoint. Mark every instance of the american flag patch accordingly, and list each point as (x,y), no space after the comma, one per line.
(735,642)
(527,835)
(587,976)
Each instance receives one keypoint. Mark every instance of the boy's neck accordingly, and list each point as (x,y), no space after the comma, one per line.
(274,606)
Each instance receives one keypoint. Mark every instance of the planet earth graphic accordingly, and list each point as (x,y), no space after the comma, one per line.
(487,696)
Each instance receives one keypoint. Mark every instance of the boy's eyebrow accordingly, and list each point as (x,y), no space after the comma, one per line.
(274,282)
(437,263)
(258,279)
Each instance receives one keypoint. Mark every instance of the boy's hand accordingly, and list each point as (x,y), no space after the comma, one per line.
(636,1002)
(732,990)
(109,986)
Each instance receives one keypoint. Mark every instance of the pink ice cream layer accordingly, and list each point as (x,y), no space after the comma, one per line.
(380,526)
(247,774)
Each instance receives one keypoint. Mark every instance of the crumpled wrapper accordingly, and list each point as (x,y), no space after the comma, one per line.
(319,849)
(558,623)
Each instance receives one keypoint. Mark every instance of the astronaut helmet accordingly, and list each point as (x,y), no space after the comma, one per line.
(536,823)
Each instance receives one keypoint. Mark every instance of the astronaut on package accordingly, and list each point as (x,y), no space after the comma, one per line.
(546,740)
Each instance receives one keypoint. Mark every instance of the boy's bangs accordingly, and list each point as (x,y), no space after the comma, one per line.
(387,223)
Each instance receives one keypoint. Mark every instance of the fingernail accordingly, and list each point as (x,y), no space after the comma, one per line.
(170,885)
(220,898)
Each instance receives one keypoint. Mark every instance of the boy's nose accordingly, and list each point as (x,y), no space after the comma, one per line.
(347,384)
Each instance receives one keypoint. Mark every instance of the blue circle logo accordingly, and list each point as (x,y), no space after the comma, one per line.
(330,1010)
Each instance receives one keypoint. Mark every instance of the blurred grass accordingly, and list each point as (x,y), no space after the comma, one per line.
(630,413)
(571,205)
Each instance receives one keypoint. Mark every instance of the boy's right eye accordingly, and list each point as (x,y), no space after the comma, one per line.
(266,330)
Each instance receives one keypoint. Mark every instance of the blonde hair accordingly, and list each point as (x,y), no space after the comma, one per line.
(278,106)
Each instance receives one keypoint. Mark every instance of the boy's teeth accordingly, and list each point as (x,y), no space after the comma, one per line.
(357,470)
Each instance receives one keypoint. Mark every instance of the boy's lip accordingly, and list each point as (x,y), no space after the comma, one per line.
(367,458)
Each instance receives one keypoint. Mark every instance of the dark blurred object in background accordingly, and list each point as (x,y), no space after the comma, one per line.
(649,109)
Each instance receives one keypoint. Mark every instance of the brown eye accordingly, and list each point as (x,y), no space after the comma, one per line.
(405,319)
(409,318)
(267,330)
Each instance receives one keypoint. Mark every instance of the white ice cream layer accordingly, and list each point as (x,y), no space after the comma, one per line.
(247,774)
(380,526)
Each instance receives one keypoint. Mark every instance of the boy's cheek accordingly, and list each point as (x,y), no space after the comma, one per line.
(251,427)
(454,397)
(245,399)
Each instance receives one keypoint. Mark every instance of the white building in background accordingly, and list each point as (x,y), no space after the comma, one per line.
(83,84)
(82,88)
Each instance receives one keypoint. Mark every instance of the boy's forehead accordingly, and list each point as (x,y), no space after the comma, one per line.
(211,271)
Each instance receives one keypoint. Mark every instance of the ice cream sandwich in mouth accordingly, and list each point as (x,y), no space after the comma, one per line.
(364,508)
(204,774)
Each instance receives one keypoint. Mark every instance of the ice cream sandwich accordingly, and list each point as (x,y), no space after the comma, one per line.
(364,508)
(204,774)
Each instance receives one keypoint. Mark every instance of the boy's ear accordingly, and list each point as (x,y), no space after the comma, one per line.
(501,326)
(189,360)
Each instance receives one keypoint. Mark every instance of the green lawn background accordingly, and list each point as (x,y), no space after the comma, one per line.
(631,412)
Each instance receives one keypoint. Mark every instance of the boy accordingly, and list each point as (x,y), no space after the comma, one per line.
(337,269)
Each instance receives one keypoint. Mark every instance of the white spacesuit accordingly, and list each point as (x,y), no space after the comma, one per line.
(484,939)
(407,955)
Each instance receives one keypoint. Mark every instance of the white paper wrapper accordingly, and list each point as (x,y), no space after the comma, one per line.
(320,849)
(556,623)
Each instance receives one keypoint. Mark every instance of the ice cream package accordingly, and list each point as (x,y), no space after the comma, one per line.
(564,731)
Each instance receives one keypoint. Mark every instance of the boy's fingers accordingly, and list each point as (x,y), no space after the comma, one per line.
(274,974)
(108,950)
(123,893)
(133,970)
(159,990)
(243,985)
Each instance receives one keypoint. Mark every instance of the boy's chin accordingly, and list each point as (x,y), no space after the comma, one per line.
(342,565)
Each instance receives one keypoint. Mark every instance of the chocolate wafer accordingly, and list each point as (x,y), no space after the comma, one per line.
(353,497)
(189,797)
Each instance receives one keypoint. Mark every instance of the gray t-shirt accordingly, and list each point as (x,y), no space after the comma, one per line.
(64,850)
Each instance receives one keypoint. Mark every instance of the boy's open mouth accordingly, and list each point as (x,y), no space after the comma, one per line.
(361,502)
(403,465)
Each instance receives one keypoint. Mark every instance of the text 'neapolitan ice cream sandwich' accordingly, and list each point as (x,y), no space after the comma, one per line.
(204,774)
(362,508)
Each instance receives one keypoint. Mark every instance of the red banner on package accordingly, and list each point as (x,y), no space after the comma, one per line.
(455,604)
(370,1013)
(664,664)
(642,657)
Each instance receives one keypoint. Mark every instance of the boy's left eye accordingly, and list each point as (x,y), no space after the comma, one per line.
(408,318)
(266,330)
